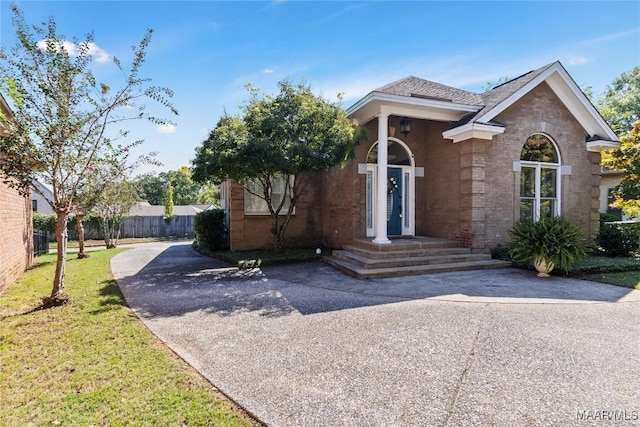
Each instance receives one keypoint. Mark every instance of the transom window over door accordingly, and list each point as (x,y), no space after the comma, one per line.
(539,179)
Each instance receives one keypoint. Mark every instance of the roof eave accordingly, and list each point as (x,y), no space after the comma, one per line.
(473,130)
(386,102)
(600,145)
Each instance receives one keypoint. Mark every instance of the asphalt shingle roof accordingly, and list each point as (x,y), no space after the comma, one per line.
(416,87)
(412,86)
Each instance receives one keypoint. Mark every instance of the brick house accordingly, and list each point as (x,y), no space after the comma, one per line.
(16,229)
(452,165)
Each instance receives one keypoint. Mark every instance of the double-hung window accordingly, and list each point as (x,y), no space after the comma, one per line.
(539,179)
(256,205)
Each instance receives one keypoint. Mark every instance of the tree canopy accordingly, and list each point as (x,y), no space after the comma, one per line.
(281,136)
(186,191)
(627,159)
(620,105)
(63,118)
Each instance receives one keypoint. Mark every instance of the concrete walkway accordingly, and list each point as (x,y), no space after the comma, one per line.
(306,345)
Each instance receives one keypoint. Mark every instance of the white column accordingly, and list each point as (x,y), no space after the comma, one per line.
(381,194)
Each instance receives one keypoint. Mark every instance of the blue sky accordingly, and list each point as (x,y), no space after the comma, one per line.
(207,51)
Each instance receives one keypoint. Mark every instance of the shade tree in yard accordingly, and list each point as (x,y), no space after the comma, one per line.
(272,143)
(64,120)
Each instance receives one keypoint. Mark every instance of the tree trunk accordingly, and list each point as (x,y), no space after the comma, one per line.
(106,233)
(80,228)
(61,238)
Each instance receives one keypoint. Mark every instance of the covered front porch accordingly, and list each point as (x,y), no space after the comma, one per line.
(405,175)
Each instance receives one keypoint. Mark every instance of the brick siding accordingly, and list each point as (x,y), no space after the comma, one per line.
(16,235)
(469,191)
(248,232)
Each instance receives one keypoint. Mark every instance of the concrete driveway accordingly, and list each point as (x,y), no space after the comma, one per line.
(306,345)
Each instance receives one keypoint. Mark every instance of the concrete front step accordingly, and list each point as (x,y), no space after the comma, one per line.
(373,254)
(407,244)
(407,261)
(372,273)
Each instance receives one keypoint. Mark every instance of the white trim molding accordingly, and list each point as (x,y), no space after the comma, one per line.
(473,130)
(599,145)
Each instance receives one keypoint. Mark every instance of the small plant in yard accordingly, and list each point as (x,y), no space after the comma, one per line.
(553,239)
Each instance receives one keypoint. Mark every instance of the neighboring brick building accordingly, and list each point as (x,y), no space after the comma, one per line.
(16,230)
(469,166)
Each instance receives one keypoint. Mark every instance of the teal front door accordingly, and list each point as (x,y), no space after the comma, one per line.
(394,201)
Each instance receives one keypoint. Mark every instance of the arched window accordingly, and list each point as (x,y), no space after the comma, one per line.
(539,178)
(398,155)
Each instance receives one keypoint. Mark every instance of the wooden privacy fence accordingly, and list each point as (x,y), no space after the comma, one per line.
(157,226)
(145,226)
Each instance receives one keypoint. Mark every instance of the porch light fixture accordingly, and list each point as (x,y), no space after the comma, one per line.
(405,126)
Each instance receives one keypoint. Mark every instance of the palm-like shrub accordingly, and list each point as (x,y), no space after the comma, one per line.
(553,239)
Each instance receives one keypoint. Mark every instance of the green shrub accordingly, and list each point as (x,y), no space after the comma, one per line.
(47,222)
(44,222)
(619,239)
(607,217)
(210,230)
(553,239)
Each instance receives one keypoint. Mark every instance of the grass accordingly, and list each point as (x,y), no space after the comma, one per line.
(619,271)
(627,279)
(91,362)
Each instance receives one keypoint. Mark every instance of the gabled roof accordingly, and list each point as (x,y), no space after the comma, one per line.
(474,114)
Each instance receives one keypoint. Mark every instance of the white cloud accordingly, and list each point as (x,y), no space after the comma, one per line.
(72,49)
(268,70)
(576,59)
(166,128)
(98,53)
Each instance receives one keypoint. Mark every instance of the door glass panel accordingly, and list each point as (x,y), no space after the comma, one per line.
(397,155)
(406,200)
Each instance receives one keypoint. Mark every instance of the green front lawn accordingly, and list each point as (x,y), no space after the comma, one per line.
(628,279)
(92,362)
(619,271)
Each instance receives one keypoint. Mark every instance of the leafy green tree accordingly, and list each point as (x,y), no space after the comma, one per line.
(63,118)
(106,171)
(209,194)
(168,201)
(627,159)
(150,187)
(185,190)
(114,203)
(280,136)
(620,105)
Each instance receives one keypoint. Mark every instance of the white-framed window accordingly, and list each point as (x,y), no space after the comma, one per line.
(256,205)
(539,178)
